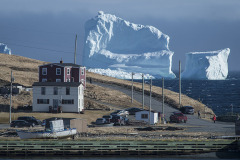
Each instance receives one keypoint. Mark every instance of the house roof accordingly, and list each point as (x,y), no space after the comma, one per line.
(63,64)
(65,84)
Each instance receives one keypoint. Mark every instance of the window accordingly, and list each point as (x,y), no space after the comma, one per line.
(68,71)
(67,90)
(82,71)
(67,101)
(58,71)
(58,80)
(42,101)
(144,116)
(44,71)
(55,90)
(68,80)
(44,80)
(43,90)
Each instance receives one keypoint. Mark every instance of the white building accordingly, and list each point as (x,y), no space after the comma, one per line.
(67,95)
(144,116)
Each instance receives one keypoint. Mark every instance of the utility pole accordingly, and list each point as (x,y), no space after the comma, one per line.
(150,101)
(132,88)
(163,98)
(180,83)
(10,107)
(142,91)
(75,50)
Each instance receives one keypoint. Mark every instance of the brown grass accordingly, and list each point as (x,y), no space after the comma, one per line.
(89,115)
(24,98)
(171,98)
(111,98)
(25,71)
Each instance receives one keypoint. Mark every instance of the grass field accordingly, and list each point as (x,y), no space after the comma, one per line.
(89,115)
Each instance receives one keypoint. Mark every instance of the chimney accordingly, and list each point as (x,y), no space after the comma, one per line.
(61,61)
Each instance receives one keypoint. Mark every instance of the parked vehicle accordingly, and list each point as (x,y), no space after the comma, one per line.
(187,110)
(118,120)
(108,118)
(123,113)
(31,120)
(133,110)
(178,117)
(126,120)
(115,113)
(100,121)
(120,113)
(21,123)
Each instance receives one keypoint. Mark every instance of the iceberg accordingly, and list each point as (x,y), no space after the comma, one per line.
(120,74)
(120,47)
(4,49)
(210,65)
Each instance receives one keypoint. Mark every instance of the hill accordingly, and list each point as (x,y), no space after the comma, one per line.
(25,71)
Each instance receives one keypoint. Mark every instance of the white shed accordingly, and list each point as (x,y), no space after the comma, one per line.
(144,116)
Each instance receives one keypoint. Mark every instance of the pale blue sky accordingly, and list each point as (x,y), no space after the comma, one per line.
(45,29)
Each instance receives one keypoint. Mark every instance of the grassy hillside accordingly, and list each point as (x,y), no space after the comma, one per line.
(25,71)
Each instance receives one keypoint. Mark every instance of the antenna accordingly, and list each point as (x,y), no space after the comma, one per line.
(75,49)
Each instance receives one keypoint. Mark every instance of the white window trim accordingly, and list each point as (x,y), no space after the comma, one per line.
(57,71)
(68,71)
(58,80)
(82,71)
(43,70)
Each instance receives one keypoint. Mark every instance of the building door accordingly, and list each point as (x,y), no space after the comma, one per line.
(55,103)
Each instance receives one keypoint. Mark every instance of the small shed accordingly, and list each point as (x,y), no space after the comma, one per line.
(144,116)
(79,124)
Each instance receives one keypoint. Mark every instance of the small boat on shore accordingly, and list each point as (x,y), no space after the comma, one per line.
(56,131)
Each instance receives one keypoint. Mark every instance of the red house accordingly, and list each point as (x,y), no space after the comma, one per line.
(62,72)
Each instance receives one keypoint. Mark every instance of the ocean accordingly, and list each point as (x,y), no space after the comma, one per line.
(222,96)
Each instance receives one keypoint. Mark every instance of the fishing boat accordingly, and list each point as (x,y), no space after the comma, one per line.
(56,131)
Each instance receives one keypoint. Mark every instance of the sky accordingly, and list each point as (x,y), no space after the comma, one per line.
(46,29)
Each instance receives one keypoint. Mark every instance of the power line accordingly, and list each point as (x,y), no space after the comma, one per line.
(40,48)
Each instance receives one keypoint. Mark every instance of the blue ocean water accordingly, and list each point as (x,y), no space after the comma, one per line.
(220,95)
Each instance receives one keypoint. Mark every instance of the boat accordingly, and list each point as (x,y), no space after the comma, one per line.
(104,125)
(56,131)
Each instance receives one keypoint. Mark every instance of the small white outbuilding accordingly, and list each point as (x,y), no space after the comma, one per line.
(144,116)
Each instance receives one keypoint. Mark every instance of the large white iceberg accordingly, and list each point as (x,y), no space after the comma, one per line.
(210,65)
(4,49)
(112,43)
